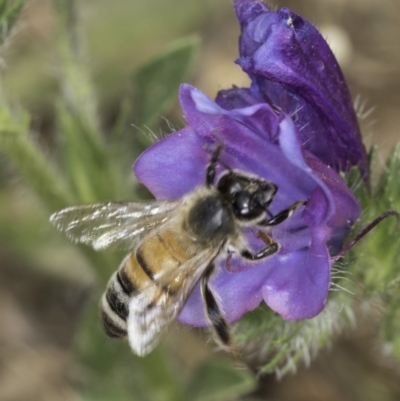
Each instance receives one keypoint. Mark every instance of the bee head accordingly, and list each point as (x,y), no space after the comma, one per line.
(249,197)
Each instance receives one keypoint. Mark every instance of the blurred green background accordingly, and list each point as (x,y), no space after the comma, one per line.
(76,71)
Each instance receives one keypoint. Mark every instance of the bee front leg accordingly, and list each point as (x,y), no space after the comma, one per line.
(212,166)
(282,215)
(213,311)
(271,248)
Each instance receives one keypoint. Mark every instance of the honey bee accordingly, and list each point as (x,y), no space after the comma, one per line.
(174,245)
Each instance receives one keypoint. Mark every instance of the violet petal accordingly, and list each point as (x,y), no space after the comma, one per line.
(293,68)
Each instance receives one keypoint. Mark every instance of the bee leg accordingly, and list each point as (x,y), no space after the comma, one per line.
(214,314)
(282,215)
(271,248)
(212,166)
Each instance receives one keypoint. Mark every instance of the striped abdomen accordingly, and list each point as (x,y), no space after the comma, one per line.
(140,270)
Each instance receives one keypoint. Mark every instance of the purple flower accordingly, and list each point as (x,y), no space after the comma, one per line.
(293,69)
(295,281)
(296,127)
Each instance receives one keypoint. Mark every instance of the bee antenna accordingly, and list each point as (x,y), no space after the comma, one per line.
(365,231)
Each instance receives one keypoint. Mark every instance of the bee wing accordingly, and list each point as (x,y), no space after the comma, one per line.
(156,306)
(118,224)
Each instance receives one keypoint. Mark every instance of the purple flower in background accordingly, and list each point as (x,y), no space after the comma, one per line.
(295,126)
(292,68)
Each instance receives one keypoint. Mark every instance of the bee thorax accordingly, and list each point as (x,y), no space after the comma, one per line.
(210,220)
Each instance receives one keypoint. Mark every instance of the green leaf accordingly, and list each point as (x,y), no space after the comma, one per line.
(356,183)
(156,83)
(94,173)
(219,380)
(374,259)
(122,148)
(82,162)
(391,180)
(92,166)
(75,79)
(19,145)
(276,346)
(391,318)
(9,12)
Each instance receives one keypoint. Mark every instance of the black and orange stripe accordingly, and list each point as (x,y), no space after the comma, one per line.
(144,268)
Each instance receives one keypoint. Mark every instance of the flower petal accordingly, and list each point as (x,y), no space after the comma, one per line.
(210,120)
(173,166)
(298,288)
(237,98)
(292,67)
(294,285)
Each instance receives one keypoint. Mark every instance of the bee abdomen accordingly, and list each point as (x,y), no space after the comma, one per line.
(115,308)
(146,267)
(111,327)
(125,283)
(116,302)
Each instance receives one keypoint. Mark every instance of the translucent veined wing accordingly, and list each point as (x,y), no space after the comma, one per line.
(156,306)
(118,224)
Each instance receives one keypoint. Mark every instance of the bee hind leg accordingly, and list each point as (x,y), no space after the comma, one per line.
(214,314)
